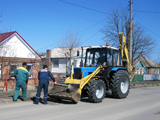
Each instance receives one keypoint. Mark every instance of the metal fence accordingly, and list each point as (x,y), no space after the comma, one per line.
(151,77)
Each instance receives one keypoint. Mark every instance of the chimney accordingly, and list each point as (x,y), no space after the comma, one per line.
(48,59)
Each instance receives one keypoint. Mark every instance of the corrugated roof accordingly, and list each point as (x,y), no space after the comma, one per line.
(145,62)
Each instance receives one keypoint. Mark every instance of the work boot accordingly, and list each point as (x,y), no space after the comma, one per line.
(45,100)
(36,101)
(14,100)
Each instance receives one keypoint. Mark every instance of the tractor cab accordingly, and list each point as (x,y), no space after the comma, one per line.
(105,56)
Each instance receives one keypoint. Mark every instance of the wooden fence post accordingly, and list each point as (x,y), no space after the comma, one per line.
(35,81)
(6,83)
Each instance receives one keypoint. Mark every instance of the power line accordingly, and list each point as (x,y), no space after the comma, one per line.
(50,9)
(91,36)
(146,15)
(149,30)
(92,26)
(146,11)
(83,7)
(77,33)
(148,23)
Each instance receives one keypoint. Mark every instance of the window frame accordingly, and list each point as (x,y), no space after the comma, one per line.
(52,62)
(30,75)
(13,64)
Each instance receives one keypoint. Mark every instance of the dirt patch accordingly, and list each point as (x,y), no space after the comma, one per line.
(7,96)
(145,84)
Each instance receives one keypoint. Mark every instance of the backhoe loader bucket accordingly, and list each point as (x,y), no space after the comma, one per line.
(64,91)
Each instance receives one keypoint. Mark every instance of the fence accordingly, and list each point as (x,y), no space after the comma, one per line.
(151,77)
(145,77)
(137,78)
(8,82)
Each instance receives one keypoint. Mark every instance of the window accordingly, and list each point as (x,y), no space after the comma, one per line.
(154,71)
(74,63)
(157,71)
(109,59)
(140,71)
(89,58)
(13,67)
(55,63)
(116,60)
(30,69)
(137,70)
(95,57)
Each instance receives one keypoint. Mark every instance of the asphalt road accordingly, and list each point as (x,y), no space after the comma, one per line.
(141,104)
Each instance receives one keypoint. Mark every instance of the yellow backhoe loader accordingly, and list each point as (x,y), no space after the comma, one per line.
(105,68)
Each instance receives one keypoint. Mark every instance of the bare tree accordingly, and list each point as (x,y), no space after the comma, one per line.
(118,21)
(68,47)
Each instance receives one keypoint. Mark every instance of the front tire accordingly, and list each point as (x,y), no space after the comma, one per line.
(120,84)
(96,91)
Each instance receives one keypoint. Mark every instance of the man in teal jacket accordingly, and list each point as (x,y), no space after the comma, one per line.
(21,75)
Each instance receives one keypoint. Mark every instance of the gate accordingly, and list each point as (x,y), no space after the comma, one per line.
(137,78)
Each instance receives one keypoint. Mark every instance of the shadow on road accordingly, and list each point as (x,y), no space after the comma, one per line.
(54,100)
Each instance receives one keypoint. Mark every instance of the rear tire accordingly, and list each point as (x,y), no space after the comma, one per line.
(120,84)
(96,91)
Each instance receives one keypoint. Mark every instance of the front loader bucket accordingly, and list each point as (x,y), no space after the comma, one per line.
(63,91)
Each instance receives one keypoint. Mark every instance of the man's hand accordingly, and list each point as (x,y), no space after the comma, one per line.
(55,82)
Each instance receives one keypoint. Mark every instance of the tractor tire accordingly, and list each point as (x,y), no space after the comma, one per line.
(120,84)
(96,91)
(61,80)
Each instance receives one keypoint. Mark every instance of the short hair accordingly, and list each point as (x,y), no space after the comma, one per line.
(45,66)
(24,64)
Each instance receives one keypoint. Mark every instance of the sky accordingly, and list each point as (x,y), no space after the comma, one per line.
(44,23)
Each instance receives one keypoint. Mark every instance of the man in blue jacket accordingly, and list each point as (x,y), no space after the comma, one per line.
(21,75)
(43,76)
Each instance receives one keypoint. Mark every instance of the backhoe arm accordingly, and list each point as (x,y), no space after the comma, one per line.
(124,55)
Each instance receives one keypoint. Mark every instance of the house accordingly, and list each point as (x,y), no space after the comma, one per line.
(144,65)
(58,59)
(14,50)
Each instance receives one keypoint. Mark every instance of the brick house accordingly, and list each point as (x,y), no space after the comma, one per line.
(144,65)
(14,50)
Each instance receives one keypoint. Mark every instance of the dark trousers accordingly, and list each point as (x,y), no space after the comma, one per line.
(44,85)
(24,91)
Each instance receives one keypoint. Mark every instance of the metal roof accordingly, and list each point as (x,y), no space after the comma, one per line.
(146,62)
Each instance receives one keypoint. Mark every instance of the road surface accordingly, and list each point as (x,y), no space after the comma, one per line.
(141,104)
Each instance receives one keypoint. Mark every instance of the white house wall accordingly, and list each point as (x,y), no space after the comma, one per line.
(57,54)
(61,68)
(16,47)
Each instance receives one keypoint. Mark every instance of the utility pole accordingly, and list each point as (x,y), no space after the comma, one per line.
(130,33)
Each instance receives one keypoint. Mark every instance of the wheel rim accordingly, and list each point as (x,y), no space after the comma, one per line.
(99,91)
(124,85)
